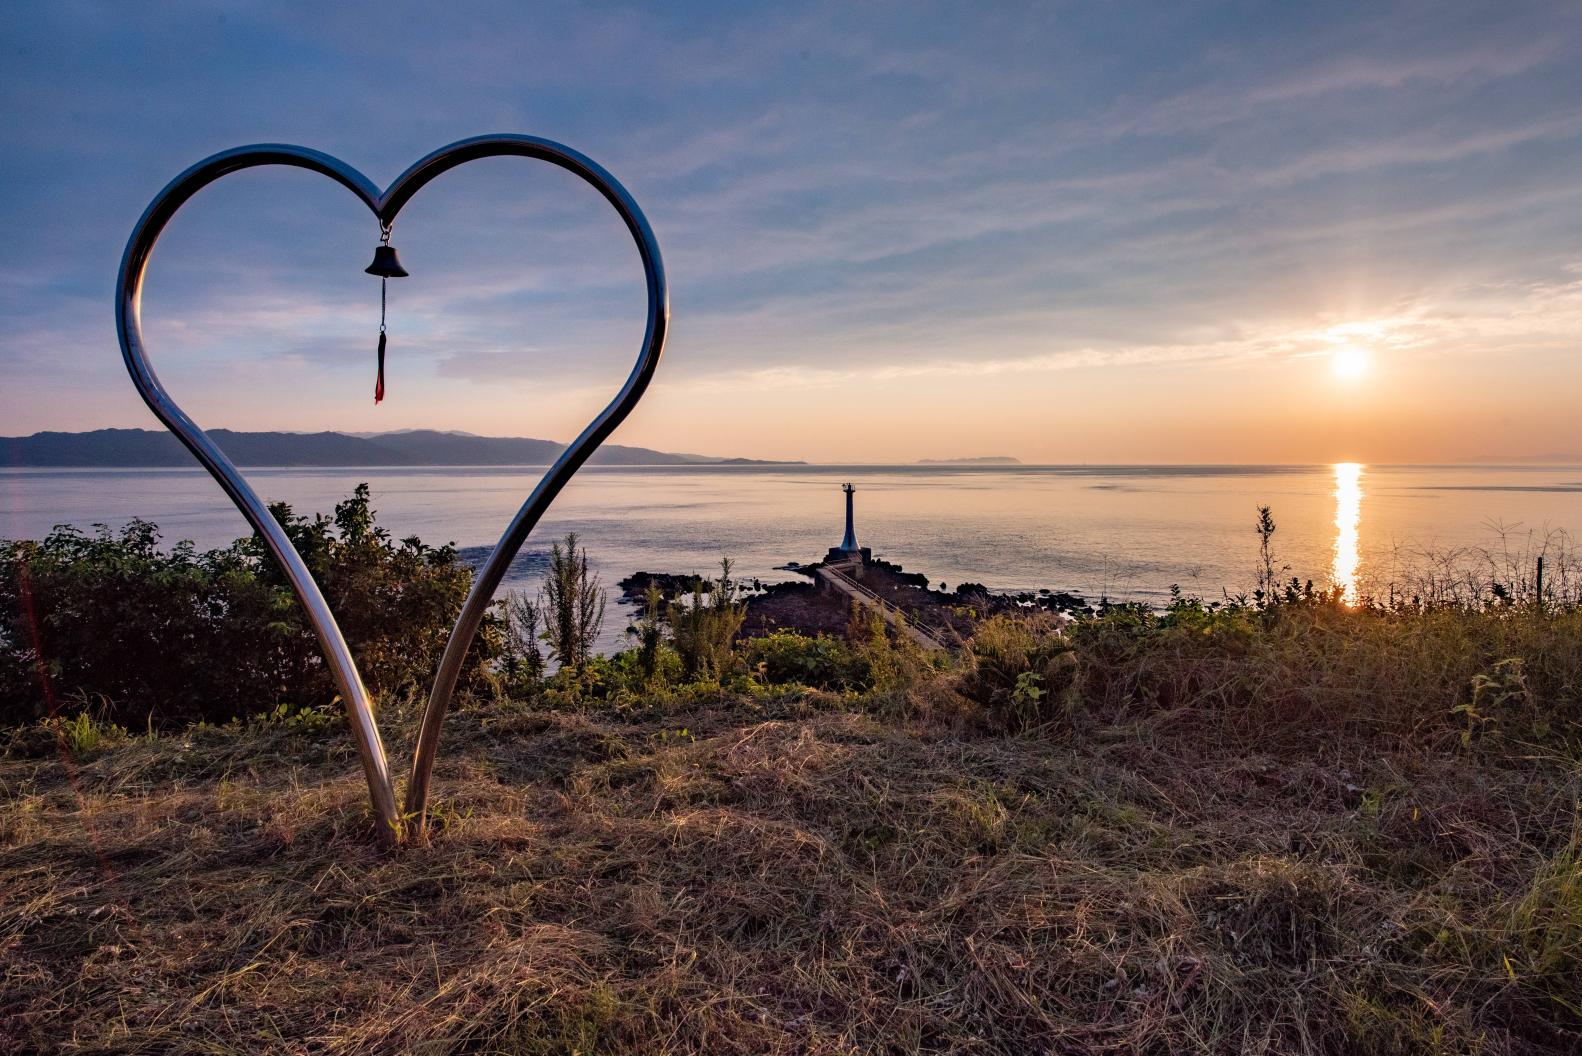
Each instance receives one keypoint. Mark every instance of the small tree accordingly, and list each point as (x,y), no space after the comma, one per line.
(521,660)
(650,631)
(572,604)
(1266,572)
(705,631)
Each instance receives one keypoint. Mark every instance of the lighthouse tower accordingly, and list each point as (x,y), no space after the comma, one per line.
(848,552)
(849,543)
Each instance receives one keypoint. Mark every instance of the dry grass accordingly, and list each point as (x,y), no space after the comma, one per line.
(817,882)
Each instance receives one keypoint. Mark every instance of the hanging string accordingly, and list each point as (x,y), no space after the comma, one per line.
(379,381)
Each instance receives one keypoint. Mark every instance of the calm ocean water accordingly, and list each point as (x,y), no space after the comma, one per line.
(1124,531)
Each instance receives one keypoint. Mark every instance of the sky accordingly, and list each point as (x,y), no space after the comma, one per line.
(1064,232)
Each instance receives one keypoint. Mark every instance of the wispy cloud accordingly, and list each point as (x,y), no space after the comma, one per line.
(923,198)
(1466,321)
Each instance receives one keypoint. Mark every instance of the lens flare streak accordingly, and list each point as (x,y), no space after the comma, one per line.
(1348,518)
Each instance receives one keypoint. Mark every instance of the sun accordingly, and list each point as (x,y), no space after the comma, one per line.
(1349,362)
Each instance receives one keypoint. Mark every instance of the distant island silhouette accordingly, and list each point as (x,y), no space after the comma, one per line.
(145,448)
(980,460)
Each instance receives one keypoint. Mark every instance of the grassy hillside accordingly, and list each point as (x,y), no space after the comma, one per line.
(1270,825)
(1312,831)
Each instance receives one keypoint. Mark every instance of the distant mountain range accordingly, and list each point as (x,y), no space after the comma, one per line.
(128,448)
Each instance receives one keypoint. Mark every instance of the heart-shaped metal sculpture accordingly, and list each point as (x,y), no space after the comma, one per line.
(359,706)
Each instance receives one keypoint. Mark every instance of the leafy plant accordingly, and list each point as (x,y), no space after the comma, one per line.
(297,720)
(1494,693)
(82,734)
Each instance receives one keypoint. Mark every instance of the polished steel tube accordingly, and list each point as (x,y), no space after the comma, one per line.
(129,305)
(355,696)
(570,460)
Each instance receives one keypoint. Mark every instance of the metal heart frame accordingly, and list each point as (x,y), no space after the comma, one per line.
(394,824)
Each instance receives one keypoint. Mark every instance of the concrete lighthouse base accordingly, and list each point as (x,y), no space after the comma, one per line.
(858,557)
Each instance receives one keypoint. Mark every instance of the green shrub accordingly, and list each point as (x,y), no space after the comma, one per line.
(704,631)
(1023,671)
(788,658)
(83,735)
(1306,661)
(176,636)
(894,661)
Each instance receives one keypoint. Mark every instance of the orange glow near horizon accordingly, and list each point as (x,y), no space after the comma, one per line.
(1348,518)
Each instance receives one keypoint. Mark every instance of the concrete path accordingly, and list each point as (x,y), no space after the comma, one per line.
(836,577)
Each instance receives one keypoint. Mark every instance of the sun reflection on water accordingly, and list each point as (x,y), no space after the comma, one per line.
(1348,515)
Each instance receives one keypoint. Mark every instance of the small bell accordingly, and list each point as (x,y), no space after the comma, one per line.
(386,264)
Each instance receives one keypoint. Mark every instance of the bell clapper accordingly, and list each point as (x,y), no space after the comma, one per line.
(387,266)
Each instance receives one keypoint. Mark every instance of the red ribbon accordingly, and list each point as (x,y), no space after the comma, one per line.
(379,383)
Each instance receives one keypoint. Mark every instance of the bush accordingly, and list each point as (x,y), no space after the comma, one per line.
(704,632)
(1295,664)
(788,658)
(1023,671)
(140,634)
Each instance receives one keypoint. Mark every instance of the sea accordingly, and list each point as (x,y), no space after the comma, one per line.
(1101,531)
